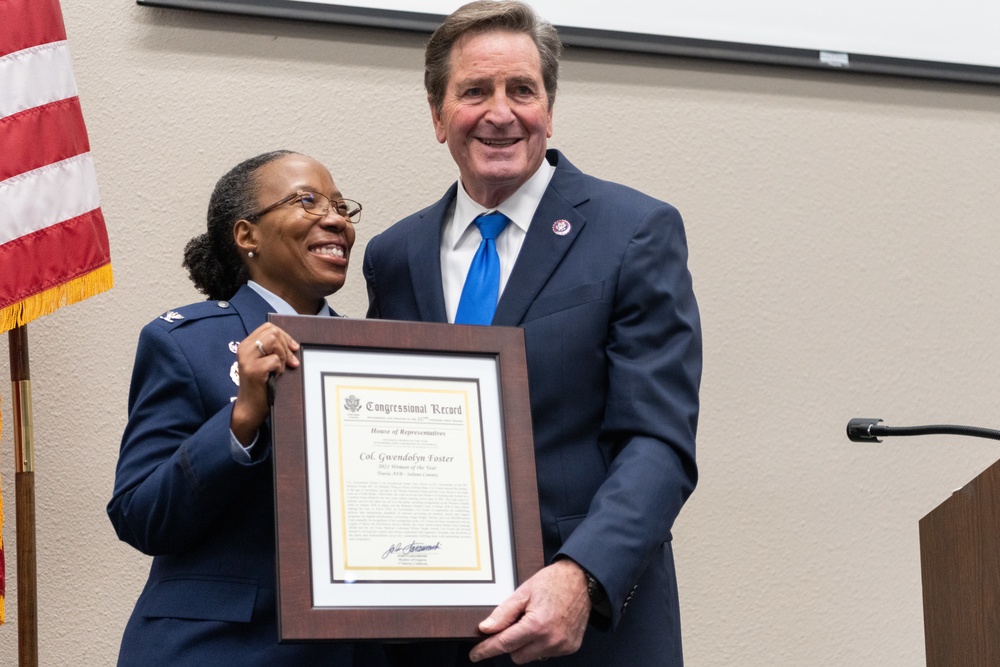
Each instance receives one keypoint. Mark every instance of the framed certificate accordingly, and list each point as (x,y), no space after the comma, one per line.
(405,496)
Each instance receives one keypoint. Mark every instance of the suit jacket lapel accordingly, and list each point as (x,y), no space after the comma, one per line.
(252,307)
(424,251)
(543,249)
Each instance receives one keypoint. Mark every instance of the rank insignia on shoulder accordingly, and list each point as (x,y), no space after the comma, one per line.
(171,316)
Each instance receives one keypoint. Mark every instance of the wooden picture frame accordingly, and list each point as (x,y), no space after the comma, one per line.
(389,436)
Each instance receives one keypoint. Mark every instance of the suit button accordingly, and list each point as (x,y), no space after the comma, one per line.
(223,304)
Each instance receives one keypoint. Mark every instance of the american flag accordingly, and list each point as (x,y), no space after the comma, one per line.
(53,242)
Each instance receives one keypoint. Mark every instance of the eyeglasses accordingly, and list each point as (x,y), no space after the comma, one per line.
(317,204)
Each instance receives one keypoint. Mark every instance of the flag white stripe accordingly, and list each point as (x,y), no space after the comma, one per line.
(35,76)
(46,196)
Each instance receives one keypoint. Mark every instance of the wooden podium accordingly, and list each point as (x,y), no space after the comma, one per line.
(960,570)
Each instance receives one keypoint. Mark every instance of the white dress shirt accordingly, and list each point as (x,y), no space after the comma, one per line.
(281,306)
(460,237)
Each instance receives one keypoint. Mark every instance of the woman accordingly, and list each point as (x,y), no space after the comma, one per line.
(193,487)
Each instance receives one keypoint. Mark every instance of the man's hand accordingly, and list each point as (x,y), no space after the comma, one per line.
(545,617)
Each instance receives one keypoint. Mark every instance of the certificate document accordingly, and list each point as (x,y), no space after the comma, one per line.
(407,485)
(406,476)
(406,502)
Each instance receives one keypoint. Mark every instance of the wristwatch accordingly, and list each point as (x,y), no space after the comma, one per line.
(598,598)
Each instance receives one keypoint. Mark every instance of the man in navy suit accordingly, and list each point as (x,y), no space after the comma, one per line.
(596,275)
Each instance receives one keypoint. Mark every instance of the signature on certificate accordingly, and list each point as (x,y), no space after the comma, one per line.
(411,548)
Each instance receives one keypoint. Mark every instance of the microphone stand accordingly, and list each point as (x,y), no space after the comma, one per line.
(867,430)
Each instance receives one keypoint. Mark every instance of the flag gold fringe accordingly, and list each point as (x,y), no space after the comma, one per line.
(20,313)
(35,306)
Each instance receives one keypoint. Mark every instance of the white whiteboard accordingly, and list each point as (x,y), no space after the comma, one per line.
(952,39)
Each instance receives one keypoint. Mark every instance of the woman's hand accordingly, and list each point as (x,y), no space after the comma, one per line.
(267,350)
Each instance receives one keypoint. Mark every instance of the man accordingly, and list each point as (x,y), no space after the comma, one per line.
(595,273)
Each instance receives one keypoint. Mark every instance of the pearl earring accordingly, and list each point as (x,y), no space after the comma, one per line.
(250,254)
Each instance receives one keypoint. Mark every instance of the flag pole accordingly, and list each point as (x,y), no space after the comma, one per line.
(24,498)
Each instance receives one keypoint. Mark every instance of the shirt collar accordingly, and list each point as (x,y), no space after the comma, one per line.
(281,306)
(519,207)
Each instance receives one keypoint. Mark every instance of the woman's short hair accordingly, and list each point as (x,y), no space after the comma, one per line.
(212,259)
(489,16)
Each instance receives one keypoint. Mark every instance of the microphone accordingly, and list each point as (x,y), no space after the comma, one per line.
(864,429)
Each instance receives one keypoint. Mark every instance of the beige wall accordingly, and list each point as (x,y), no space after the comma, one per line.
(842,230)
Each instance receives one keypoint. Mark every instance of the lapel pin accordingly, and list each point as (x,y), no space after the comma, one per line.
(561,227)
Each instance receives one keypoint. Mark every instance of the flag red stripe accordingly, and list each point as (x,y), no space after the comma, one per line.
(29,23)
(42,135)
(49,257)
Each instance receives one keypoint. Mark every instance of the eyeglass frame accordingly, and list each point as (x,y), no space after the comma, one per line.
(302,193)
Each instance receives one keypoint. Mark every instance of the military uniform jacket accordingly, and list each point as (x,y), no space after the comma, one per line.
(206,519)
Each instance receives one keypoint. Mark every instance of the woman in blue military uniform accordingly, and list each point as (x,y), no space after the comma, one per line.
(193,486)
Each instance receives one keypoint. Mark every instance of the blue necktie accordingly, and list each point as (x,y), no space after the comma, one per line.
(482,285)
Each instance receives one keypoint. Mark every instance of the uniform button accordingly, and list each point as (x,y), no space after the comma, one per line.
(223,304)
